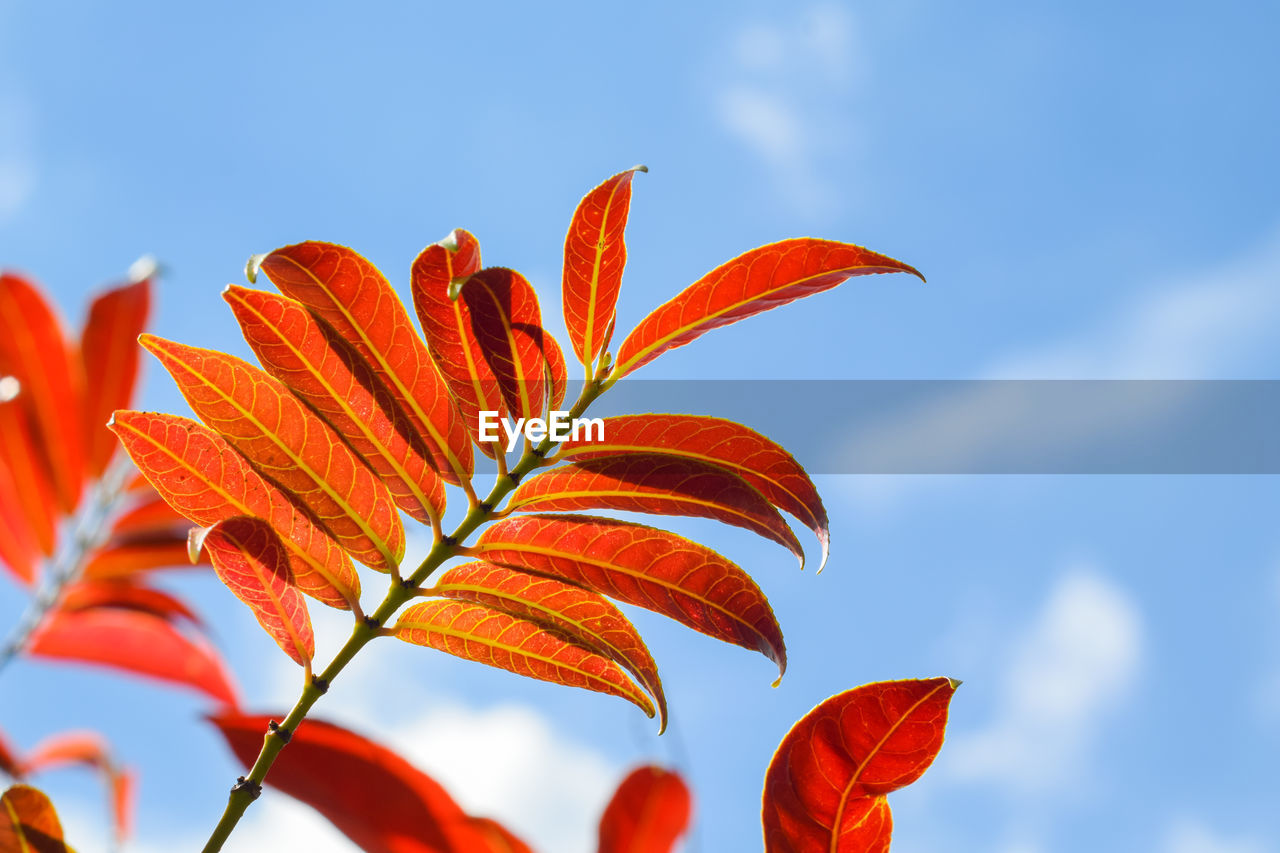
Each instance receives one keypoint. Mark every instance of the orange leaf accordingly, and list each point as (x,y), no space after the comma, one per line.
(478,633)
(825,785)
(9,764)
(136,642)
(595,254)
(34,350)
(127,595)
(648,813)
(149,517)
(32,501)
(109,357)
(658,484)
(438,272)
(557,370)
(507,323)
(28,822)
(250,559)
(124,786)
(205,480)
(59,750)
(582,614)
(19,550)
(648,568)
(770,469)
(134,554)
(375,797)
(493,837)
(350,293)
(289,443)
(756,281)
(317,365)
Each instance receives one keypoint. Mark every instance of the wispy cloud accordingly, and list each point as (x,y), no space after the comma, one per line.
(1072,667)
(785,86)
(1192,836)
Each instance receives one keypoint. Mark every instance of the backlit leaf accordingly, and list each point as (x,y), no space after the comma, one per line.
(507,323)
(291,445)
(478,633)
(149,516)
(658,484)
(205,480)
(557,370)
(375,797)
(28,822)
(19,551)
(582,614)
(825,785)
(648,813)
(756,281)
(355,299)
(9,764)
(27,491)
(595,255)
(90,750)
(438,272)
(770,469)
(250,559)
(135,642)
(493,837)
(109,356)
(645,567)
(35,351)
(317,365)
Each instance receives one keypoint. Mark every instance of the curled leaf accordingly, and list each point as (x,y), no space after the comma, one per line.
(250,559)
(290,444)
(755,281)
(507,323)
(761,462)
(658,484)
(478,633)
(648,568)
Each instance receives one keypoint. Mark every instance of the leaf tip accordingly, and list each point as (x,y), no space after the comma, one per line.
(639,168)
(195,542)
(252,266)
(9,388)
(143,269)
(955,683)
(450,241)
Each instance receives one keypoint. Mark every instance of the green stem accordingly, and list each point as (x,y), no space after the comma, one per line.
(248,787)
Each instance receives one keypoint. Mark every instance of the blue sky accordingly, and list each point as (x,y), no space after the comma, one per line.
(1091,190)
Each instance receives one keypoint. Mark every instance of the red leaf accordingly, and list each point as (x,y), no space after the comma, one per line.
(648,813)
(150,517)
(376,798)
(824,788)
(34,350)
(658,484)
(19,550)
(205,480)
(308,356)
(756,281)
(557,370)
(289,443)
(770,469)
(87,748)
(132,555)
(109,356)
(124,787)
(135,642)
(351,294)
(126,595)
(8,759)
(595,255)
(250,559)
(645,567)
(580,613)
(438,274)
(507,323)
(28,822)
(26,490)
(478,633)
(493,837)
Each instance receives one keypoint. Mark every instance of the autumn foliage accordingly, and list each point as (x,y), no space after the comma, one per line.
(303,470)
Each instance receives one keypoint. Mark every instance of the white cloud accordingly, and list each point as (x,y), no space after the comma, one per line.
(785,86)
(17,165)
(1072,667)
(1192,836)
